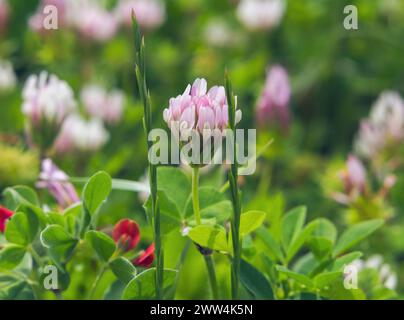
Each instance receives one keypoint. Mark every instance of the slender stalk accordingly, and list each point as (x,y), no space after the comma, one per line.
(235,196)
(212,276)
(208,257)
(96,281)
(147,124)
(195,194)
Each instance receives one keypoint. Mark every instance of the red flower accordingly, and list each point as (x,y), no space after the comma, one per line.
(5,214)
(146,259)
(126,234)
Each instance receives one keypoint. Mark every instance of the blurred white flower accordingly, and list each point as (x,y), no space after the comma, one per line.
(45,97)
(91,20)
(8,80)
(261,14)
(101,104)
(385,125)
(218,33)
(150,14)
(387,277)
(82,135)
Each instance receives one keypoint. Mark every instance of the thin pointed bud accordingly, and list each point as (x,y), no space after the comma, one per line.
(137,33)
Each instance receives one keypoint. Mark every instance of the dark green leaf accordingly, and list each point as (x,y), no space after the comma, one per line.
(102,244)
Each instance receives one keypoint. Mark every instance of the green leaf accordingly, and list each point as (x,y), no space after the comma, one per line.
(299,241)
(298,277)
(323,238)
(356,234)
(102,244)
(20,195)
(209,236)
(12,289)
(326,279)
(11,256)
(55,218)
(250,221)
(59,243)
(175,184)
(123,269)
(96,191)
(142,286)
(335,290)
(292,224)
(273,247)
(170,217)
(255,282)
(212,204)
(22,228)
(344,260)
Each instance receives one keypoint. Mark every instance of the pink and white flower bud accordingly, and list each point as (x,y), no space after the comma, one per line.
(101,104)
(47,100)
(261,14)
(57,183)
(79,134)
(150,14)
(199,109)
(273,104)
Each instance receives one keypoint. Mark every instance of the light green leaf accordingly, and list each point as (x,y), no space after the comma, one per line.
(11,256)
(20,195)
(273,247)
(298,277)
(209,236)
(356,234)
(96,191)
(59,243)
(340,262)
(102,244)
(123,269)
(299,241)
(292,224)
(22,228)
(142,286)
(250,221)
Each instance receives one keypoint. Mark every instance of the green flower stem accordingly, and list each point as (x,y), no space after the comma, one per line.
(212,276)
(96,281)
(235,196)
(140,71)
(195,194)
(208,257)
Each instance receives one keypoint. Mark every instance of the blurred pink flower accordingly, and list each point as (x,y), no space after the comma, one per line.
(4,15)
(47,100)
(36,21)
(57,183)
(150,14)
(103,105)
(199,109)
(273,104)
(91,20)
(78,134)
(261,14)
(355,175)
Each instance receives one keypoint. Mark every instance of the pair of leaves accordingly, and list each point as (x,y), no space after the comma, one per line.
(214,236)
